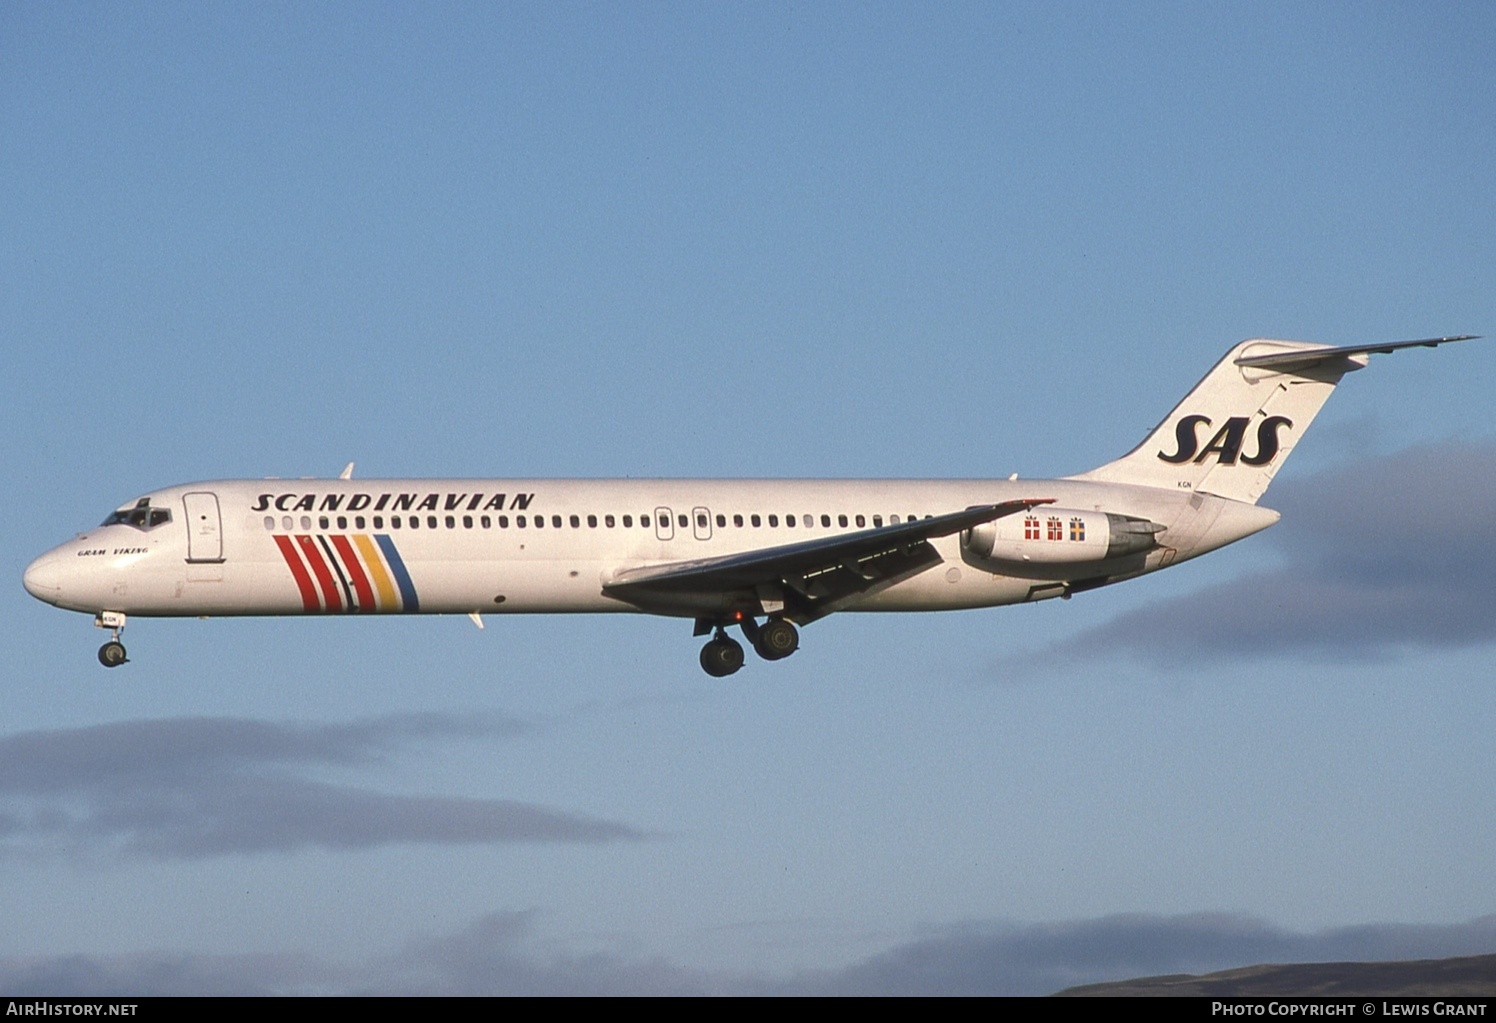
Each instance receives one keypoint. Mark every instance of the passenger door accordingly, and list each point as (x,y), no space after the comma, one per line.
(204,528)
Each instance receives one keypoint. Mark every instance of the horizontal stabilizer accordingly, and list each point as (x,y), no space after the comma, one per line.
(1306,359)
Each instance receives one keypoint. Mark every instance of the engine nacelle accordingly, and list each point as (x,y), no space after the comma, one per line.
(1047,542)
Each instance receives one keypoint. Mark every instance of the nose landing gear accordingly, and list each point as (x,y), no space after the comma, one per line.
(112,653)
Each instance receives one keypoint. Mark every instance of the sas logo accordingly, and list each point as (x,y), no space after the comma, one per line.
(1226,444)
(348,573)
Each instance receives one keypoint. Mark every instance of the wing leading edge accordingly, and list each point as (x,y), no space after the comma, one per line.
(802,581)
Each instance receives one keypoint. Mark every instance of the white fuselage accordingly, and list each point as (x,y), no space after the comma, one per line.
(281,547)
(722,552)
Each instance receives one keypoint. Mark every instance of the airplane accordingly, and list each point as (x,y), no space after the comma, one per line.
(764,556)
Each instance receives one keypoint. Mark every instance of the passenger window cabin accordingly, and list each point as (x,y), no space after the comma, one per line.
(1035,527)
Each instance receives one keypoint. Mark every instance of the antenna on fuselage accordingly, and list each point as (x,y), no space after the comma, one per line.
(347,473)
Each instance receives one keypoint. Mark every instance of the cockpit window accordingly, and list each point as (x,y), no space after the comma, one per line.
(142,516)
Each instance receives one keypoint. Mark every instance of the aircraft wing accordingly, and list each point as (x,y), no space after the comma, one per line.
(812,578)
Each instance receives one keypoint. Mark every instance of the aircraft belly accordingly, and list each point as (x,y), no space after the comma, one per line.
(511,587)
(186,591)
(947,587)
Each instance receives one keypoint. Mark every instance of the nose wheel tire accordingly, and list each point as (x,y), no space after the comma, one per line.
(721,657)
(776,639)
(112,654)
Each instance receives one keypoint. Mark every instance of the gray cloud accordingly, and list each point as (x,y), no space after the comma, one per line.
(151,974)
(498,955)
(196,787)
(494,955)
(1042,959)
(1394,553)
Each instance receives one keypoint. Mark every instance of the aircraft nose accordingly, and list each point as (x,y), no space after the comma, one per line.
(43,578)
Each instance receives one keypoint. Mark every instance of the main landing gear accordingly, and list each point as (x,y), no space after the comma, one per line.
(776,640)
(773,641)
(112,653)
(722,656)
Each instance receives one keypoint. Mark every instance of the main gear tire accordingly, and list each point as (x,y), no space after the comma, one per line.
(721,657)
(777,639)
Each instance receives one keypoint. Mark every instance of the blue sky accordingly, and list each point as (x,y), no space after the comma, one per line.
(750,240)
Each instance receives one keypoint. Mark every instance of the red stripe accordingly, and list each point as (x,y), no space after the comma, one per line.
(298,572)
(355,573)
(329,585)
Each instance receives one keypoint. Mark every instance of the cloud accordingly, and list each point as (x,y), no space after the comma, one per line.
(1044,958)
(151,974)
(498,954)
(1395,553)
(198,787)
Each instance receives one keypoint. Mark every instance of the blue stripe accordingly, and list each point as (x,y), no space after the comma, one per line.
(408,600)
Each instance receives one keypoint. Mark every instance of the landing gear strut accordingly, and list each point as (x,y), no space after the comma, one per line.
(722,656)
(112,653)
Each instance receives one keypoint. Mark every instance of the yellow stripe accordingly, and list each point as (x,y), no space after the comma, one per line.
(382,582)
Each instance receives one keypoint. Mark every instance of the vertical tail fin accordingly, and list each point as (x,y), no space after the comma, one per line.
(1233,432)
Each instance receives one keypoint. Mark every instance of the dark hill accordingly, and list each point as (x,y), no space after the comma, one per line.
(1471,976)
